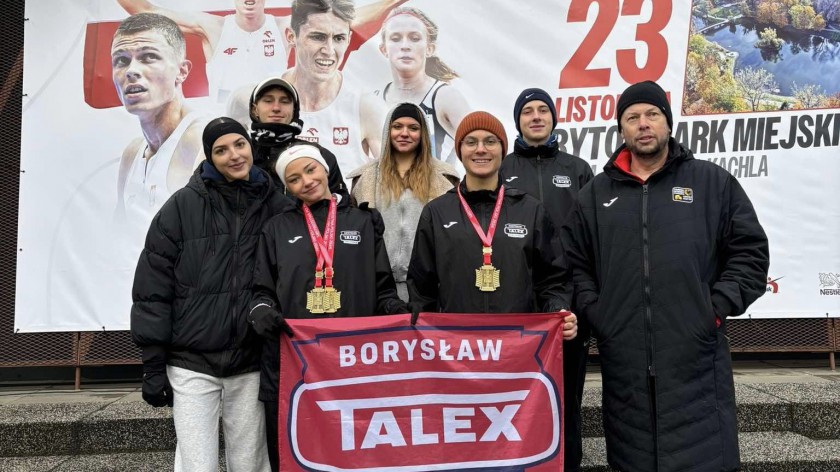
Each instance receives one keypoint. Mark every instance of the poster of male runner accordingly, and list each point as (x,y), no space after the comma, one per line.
(110,118)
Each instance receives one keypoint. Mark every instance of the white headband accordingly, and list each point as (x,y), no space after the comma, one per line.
(296,152)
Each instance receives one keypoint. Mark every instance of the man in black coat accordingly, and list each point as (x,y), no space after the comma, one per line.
(293,279)
(538,167)
(664,247)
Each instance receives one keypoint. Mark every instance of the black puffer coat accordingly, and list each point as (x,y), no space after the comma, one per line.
(658,266)
(193,279)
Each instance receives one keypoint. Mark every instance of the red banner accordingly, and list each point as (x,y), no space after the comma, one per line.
(456,391)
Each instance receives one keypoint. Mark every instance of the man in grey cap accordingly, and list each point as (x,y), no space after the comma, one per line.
(663,248)
(274,108)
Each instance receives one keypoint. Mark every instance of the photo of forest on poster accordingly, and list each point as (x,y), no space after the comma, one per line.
(762,55)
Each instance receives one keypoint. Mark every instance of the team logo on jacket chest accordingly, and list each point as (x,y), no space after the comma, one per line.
(351,237)
(516,230)
(561,181)
(341,135)
(682,194)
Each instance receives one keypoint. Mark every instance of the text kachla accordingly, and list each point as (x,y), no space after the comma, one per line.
(408,350)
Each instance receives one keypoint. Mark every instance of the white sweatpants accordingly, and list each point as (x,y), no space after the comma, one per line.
(198,401)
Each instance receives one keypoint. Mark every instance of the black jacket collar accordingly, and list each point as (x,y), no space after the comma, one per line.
(548,149)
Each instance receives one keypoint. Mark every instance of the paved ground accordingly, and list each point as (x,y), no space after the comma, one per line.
(814,370)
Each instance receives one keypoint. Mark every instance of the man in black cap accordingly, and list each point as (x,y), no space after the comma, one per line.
(538,167)
(191,290)
(663,247)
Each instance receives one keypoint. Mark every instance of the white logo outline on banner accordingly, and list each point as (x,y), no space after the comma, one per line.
(541,377)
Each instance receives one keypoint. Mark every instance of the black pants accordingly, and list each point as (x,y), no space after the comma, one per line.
(575,353)
(271,438)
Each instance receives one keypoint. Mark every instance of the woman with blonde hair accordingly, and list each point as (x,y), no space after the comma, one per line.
(409,41)
(401,182)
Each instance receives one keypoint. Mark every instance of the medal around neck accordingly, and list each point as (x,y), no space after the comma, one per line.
(323,298)
(487,277)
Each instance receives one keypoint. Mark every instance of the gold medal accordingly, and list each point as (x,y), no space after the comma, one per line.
(332,300)
(487,278)
(323,299)
(315,301)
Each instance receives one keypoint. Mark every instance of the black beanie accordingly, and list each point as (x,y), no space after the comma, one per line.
(528,95)
(645,92)
(218,128)
(403,110)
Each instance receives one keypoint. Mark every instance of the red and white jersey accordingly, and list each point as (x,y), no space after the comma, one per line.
(338,128)
(243,58)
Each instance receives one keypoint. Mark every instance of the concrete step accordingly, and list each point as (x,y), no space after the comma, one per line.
(809,409)
(760,452)
(109,423)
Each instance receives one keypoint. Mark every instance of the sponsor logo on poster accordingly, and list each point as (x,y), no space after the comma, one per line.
(311,135)
(829,283)
(773,284)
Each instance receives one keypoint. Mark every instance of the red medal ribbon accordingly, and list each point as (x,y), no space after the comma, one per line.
(324,246)
(486,239)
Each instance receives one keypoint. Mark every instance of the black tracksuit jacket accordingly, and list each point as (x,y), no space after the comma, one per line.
(285,272)
(447,251)
(192,285)
(548,174)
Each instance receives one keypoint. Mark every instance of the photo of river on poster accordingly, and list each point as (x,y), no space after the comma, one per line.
(762,55)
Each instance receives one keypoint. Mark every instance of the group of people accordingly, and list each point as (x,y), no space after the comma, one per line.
(651,256)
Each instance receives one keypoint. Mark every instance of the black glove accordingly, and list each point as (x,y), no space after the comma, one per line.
(156,389)
(268,322)
(415,312)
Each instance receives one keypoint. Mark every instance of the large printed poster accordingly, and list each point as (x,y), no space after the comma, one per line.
(112,124)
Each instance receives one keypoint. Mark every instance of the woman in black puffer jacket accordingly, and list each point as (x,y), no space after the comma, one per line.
(191,293)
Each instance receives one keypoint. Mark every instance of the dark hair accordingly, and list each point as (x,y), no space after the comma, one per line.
(435,67)
(301,9)
(143,22)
